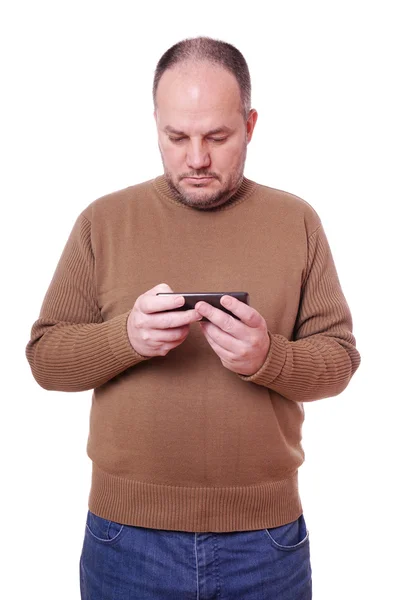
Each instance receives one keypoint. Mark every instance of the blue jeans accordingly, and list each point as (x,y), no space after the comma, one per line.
(121,562)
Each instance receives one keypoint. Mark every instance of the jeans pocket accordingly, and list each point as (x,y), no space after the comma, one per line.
(103,530)
(290,536)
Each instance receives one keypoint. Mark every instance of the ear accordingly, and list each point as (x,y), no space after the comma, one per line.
(251,123)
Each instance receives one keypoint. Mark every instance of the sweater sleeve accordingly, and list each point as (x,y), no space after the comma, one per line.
(322,357)
(71,348)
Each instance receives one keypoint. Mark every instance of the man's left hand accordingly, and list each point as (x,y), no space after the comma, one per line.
(242,345)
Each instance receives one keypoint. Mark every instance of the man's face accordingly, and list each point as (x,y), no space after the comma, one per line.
(202,133)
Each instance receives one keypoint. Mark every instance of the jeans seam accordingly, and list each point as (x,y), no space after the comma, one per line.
(216,568)
(278,546)
(197,567)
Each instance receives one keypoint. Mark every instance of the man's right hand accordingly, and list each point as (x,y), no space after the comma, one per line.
(153,332)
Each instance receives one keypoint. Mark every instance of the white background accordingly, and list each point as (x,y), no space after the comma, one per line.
(76,123)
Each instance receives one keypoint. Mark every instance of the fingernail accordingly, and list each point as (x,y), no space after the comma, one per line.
(202,306)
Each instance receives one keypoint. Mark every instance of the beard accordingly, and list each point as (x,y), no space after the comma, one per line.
(206,200)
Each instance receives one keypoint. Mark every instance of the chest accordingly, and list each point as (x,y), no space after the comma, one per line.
(211,254)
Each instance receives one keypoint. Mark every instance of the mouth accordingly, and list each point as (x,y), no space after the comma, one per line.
(198,180)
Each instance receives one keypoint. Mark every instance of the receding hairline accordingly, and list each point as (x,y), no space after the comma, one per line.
(215,52)
(189,66)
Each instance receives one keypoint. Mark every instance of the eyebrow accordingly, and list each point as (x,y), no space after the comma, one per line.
(224,129)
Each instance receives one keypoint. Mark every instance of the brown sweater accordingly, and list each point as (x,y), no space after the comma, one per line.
(180,442)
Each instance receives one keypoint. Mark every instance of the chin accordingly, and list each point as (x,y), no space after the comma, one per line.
(198,196)
(201,199)
(195,195)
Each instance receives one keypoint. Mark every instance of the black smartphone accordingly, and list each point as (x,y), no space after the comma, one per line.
(213,298)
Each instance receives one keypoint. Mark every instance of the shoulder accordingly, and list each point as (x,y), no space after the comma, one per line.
(116,203)
(289,206)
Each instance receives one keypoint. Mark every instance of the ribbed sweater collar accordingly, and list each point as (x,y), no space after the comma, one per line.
(246,188)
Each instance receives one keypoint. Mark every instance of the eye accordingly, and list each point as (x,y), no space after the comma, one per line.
(176,139)
(217,139)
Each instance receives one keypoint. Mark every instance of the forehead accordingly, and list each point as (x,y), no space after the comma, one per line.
(198,92)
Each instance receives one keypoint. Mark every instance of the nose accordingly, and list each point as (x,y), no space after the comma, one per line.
(198,156)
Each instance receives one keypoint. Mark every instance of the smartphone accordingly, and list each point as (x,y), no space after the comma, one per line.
(213,298)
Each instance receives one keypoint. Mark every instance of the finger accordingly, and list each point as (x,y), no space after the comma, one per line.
(222,352)
(166,320)
(151,303)
(160,336)
(248,315)
(220,337)
(220,318)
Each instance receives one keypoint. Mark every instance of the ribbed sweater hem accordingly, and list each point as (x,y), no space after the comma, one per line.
(195,509)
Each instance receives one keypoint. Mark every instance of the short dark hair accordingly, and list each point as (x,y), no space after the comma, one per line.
(205,49)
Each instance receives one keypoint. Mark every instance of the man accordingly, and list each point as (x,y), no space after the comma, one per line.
(195,427)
